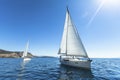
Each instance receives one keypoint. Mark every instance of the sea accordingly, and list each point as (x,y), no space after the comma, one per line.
(51,69)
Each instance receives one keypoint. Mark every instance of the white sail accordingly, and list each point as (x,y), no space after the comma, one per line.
(64,38)
(71,43)
(26,50)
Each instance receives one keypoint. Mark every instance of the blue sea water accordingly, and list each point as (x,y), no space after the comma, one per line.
(50,69)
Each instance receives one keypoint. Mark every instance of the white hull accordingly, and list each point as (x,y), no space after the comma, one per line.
(26,59)
(86,64)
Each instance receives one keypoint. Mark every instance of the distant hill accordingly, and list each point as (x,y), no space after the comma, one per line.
(12,54)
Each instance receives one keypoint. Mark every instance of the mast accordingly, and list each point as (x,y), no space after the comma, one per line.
(67,29)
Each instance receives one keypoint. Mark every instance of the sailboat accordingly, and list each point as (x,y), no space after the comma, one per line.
(71,51)
(24,56)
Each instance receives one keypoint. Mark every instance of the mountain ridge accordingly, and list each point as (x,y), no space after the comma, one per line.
(12,54)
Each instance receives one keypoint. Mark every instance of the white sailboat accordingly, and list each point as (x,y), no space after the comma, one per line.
(24,56)
(72,51)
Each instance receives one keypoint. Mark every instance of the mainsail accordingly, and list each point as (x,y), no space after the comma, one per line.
(26,50)
(63,45)
(71,44)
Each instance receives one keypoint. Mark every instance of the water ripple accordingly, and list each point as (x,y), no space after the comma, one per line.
(50,69)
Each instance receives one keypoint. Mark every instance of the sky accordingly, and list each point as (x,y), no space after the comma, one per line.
(42,21)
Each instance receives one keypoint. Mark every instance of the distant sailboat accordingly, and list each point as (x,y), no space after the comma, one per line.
(72,51)
(24,56)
